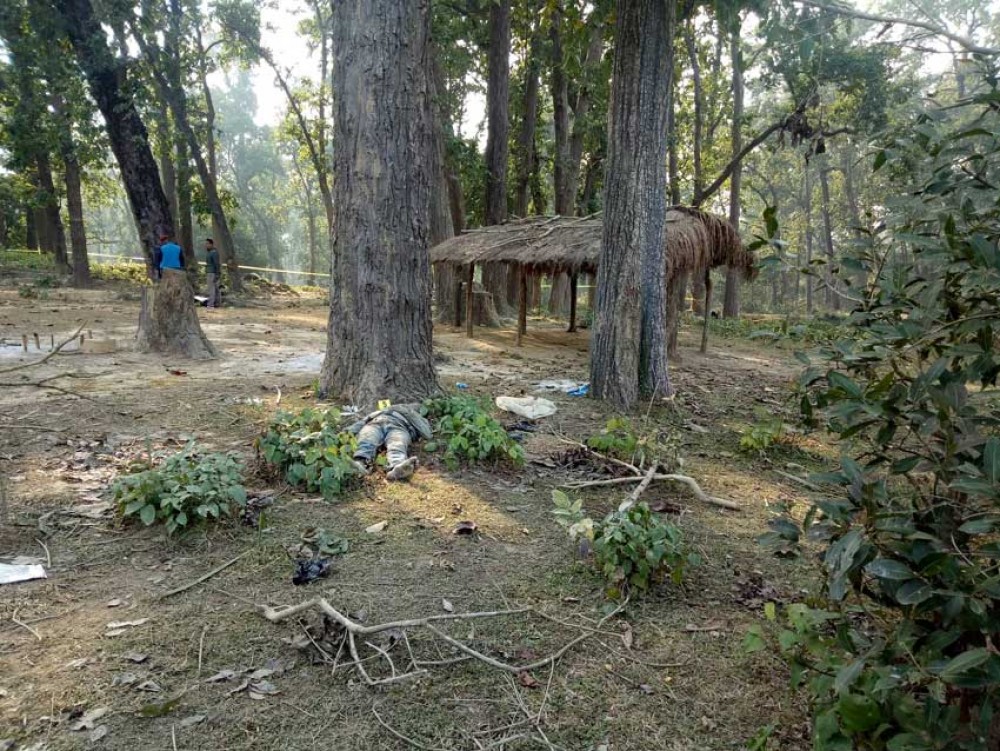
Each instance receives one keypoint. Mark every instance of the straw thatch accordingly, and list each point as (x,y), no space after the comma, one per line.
(696,240)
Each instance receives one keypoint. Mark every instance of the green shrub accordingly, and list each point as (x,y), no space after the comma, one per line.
(311,450)
(617,439)
(187,488)
(763,434)
(27,260)
(470,433)
(120,271)
(633,548)
(900,653)
(28,292)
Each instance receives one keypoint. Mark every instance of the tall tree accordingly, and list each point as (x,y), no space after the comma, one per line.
(628,355)
(731,298)
(379,340)
(497,146)
(173,324)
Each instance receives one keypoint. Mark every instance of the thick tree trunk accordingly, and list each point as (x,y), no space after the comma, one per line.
(673,167)
(559,295)
(581,110)
(559,86)
(30,229)
(168,176)
(699,118)
(832,298)
(497,113)
(851,194)
(379,342)
(539,201)
(526,135)
(731,298)
(185,220)
(628,351)
(442,221)
(588,198)
(170,323)
(45,242)
(55,232)
(77,230)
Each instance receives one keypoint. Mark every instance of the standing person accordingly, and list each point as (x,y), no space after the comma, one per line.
(212,270)
(171,255)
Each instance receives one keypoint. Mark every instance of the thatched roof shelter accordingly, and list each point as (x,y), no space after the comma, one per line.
(696,240)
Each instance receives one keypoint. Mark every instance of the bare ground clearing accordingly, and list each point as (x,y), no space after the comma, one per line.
(59,452)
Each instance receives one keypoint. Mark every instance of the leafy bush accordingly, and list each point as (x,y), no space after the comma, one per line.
(763,434)
(472,435)
(311,450)
(633,548)
(187,488)
(28,292)
(617,439)
(901,653)
(120,271)
(813,331)
(26,260)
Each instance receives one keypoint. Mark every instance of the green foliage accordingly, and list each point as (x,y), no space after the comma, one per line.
(26,260)
(900,653)
(810,332)
(187,488)
(633,549)
(325,543)
(617,439)
(472,435)
(763,434)
(120,271)
(311,450)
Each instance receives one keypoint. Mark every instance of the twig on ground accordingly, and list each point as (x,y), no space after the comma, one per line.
(49,356)
(800,480)
(201,649)
(700,494)
(610,459)
(205,577)
(30,426)
(48,555)
(634,495)
(25,626)
(173,736)
(637,661)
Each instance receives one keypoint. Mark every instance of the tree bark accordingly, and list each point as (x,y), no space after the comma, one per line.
(628,353)
(559,86)
(809,239)
(854,210)
(168,322)
(77,230)
(699,117)
(832,298)
(581,110)
(442,220)
(55,232)
(731,297)
(165,327)
(30,229)
(497,98)
(526,135)
(379,340)
(168,176)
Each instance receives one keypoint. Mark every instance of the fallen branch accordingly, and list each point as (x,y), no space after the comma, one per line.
(25,626)
(50,355)
(610,459)
(700,494)
(634,495)
(354,630)
(402,737)
(800,480)
(205,577)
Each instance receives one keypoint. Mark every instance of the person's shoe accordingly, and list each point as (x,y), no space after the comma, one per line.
(403,470)
(360,467)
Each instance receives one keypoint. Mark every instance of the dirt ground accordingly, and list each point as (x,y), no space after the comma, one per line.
(671,675)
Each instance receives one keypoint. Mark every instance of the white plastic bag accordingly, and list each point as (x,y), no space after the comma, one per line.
(530,407)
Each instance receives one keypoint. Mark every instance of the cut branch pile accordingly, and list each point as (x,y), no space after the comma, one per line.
(353,632)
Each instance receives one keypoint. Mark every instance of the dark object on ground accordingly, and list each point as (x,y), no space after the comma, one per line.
(664,507)
(465,528)
(523,427)
(715,314)
(255,505)
(310,569)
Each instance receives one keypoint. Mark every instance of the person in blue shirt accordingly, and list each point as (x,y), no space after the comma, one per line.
(171,255)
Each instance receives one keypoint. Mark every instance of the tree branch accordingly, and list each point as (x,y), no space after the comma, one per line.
(933,28)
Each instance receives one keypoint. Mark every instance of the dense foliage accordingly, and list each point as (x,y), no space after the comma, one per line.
(311,450)
(901,653)
(470,433)
(186,488)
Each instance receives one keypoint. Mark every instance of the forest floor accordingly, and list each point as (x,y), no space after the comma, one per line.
(675,678)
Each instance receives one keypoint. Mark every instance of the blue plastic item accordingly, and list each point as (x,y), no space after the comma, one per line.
(461,386)
(582,390)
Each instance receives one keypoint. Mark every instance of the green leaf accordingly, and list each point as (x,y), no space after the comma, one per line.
(753,641)
(148,514)
(770,611)
(239,494)
(858,713)
(880,160)
(847,675)
(991,460)
(968,660)
(913,592)
(886,568)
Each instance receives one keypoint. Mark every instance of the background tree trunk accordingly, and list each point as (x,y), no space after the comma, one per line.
(699,117)
(832,298)
(30,229)
(498,123)
(379,343)
(629,341)
(559,86)
(168,322)
(442,221)
(77,230)
(162,326)
(731,298)
(526,135)
(809,240)
(55,233)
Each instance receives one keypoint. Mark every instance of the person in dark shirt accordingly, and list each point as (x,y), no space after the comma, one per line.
(212,273)
(171,255)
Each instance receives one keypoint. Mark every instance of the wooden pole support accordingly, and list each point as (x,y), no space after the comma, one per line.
(24,342)
(573,280)
(38,344)
(522,303)
(469,299)
(708,310)
(458,303)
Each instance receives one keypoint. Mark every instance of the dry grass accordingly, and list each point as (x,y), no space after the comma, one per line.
(600,693)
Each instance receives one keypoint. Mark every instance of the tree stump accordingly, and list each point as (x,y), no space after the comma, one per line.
(484,312)
(168,321)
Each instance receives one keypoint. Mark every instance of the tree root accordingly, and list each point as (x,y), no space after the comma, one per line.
(354,630)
